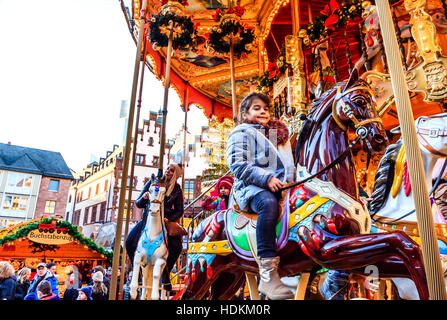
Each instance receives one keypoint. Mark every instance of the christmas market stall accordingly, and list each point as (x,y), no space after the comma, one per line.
(51,240)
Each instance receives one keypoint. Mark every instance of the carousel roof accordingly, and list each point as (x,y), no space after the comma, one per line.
(203,79)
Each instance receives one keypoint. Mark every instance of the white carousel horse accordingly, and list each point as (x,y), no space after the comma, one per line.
(399,203)
(152,251)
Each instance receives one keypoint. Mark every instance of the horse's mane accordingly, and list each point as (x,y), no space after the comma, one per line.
(318,105)
(384,177)
(309,123)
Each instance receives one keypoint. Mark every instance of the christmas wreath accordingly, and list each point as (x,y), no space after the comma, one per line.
(218,40)
(184,30)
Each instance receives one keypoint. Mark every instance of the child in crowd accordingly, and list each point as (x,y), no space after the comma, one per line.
(260,157)
(219,197)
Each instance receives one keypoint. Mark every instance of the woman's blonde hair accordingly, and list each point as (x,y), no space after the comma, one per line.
(21,275)
(6,270)
(99,287)
(172,182)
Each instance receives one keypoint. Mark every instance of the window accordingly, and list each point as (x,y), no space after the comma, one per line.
(93,218)
(53,185)
(50,206)
(189,190)
(102,212)
(19,183)
(15,203)
(97,189)
(69,199)
(140,159)
(151,141)
(86,212)
(155,161)
(106,185)
(89,192)
(133,184)
(76,217)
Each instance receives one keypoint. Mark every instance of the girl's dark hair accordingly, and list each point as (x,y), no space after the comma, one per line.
(248,100)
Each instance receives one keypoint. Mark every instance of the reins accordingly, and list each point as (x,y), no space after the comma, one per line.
(361,131)
(328,167)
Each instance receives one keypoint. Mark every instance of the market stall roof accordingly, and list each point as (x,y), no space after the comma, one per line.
(64,242)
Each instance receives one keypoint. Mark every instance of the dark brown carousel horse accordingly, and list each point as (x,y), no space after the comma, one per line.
(323,223)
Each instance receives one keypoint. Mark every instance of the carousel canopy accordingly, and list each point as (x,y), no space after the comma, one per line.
(203,78)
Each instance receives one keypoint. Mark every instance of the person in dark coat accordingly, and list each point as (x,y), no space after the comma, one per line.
(7,281)
(99,289)
(173,211)
(22,284)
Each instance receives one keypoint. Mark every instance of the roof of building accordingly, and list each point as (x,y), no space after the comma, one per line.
(36,161)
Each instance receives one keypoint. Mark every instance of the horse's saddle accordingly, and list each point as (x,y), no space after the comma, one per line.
(241,229)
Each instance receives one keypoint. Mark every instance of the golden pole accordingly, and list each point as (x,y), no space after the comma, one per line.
(295,17)
(119,222)
(165,101)
(132,170)
(429,244)
(233,83)
(233,80)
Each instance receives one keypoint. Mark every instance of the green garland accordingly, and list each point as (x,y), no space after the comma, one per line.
(217,43)
(180,41)
(72,231)
(270,76)
(349,10)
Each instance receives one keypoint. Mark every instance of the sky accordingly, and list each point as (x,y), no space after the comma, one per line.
(65,67)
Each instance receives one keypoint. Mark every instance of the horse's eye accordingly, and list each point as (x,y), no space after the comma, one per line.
(360,102)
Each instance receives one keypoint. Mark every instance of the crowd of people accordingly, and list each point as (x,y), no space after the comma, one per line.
(45,284)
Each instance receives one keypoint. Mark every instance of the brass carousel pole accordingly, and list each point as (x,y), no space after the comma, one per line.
(233,83)
(165,101)
(132,169)
(232,74)
(119,222)
(432,261)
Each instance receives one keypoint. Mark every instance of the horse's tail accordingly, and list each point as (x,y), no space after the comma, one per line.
(384,177)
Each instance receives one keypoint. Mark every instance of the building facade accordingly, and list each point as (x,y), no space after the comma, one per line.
(95,193)
(33,183)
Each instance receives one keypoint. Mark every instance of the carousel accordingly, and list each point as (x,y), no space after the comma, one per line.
(365,111)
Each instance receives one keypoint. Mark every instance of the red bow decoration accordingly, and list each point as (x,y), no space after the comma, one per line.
(238,10)
(273,70)
(216,15)
(330,11)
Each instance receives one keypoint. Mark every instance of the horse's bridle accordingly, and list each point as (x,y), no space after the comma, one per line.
(432,133)
(347,110)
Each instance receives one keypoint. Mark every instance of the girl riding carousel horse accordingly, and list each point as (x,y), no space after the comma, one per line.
(260,157)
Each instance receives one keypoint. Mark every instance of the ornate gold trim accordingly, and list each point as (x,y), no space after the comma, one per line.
(216,247)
